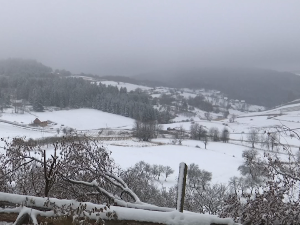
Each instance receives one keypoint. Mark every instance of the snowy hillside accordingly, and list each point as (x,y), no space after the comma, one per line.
(219,158)
(216,99)
(222,159)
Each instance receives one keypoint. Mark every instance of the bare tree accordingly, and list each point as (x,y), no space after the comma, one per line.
(179,135)
(232,118)
(253,137)
(168,171)
(197,131)
(145,131)
(208,116)
(270,139)
(205,138)
(214,134)
(225,135)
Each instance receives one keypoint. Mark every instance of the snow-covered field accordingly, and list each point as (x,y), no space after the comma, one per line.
(8,130)
(219,158)
(80,119)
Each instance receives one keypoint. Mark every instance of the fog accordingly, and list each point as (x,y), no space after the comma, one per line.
(137,36)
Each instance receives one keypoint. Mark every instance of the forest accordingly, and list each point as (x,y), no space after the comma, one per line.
(41,87)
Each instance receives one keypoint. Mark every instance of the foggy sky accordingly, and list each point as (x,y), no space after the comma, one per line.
(139,36)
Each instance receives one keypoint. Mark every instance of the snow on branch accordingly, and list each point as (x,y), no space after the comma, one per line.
(83,167)
(62,207)
(32,206)
(94,185)
(121,184)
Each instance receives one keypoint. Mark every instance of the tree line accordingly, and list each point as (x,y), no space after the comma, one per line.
(42,87)
(77,93)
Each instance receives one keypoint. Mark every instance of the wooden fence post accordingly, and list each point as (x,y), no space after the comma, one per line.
(181,186)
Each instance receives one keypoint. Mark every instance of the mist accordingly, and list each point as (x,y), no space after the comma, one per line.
(133,37)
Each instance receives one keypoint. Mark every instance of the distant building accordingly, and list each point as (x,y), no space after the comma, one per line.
(36,121)
(39,123)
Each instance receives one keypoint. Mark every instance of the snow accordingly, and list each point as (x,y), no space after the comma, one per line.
(80,119)
(8,130)
(222,159)
(219,158)
(130,214)
(170,218)
(129,87)
(255,108)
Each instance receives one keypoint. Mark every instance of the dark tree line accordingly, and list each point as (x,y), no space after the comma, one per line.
(78,93)
(41,87)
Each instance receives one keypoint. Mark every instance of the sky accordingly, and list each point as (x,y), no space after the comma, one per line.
(139,36)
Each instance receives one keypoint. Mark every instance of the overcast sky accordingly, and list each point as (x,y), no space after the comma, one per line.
(139,36)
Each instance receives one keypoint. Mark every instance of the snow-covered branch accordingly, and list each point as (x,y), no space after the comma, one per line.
(31,206)
(61,207)
(94,185)
(121,184)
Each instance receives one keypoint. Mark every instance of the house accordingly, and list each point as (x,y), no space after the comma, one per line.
(36,122)
(44,124)
(39,123)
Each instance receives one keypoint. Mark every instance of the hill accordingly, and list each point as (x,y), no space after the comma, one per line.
(21,67)
(256,86)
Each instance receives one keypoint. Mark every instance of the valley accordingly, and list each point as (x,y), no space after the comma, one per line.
(115,132)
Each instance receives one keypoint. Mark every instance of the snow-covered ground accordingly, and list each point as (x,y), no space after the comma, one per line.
(80,119)
(219,158)
(222,159)
(129,87)
(8,130)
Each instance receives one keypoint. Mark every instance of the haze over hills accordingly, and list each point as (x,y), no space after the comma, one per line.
(18,66)
(256,86)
